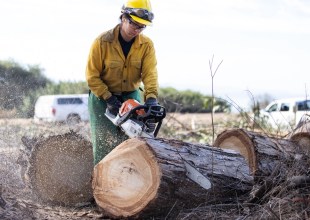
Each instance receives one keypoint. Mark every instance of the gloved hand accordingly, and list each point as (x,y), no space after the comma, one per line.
(113,105)
(151,102)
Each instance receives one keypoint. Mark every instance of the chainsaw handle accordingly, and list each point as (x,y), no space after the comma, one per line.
(150,112)
(155,111)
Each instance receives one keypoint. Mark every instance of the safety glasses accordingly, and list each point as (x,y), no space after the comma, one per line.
(140,12)
(135,25)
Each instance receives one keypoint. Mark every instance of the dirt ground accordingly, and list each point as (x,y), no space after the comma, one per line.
(17,201)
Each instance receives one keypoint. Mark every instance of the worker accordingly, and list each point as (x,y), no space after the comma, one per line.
(120,60)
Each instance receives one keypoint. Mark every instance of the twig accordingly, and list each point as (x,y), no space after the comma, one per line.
(272,212)
(254,107)
(212,100)
(171,209)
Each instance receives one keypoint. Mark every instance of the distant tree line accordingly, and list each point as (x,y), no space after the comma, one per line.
(188,101)
(21,86)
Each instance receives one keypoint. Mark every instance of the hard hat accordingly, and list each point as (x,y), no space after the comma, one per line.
(139,10)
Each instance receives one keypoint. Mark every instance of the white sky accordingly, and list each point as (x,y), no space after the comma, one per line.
(264,45)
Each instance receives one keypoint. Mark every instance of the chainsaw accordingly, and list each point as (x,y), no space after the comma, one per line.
(138,120)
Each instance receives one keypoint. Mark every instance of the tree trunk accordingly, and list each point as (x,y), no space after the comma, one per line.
(157,177)
(263,153)
(58,168)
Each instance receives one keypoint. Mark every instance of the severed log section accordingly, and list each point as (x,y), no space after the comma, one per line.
(263,153)
(59,168)
(301,135)
(157,177)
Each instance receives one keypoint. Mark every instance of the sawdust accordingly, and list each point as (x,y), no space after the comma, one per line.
(60,169)
(17,198)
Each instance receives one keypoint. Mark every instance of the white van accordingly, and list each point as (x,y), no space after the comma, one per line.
(286,113)
(62,108)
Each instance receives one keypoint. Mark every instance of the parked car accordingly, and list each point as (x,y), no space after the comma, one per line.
(71,108)
(285,113)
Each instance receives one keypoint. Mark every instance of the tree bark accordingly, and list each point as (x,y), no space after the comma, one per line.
(58,168)
(157,177)
(263,153)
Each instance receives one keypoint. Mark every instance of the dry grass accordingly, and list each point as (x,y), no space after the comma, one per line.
(7,114)
(197,128)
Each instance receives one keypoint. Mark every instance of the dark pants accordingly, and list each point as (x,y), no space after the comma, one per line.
(105,135)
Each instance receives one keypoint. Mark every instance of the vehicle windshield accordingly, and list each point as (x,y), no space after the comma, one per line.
(272,108)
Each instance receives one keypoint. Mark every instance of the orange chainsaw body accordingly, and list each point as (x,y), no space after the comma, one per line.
(128,105)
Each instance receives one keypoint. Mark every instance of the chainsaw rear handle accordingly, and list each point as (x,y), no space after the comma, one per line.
(156,112)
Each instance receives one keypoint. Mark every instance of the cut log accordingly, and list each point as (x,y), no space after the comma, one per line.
(59,169)
(301,135)
(263,153)
(157,177)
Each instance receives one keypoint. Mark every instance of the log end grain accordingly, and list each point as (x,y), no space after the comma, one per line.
(301,136)
(303,140)
(127,179)
(239,141)
(60,169)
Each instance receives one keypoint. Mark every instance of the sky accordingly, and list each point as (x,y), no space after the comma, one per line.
(261,47)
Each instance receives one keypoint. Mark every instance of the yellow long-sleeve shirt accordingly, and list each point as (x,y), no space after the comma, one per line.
(108,71)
